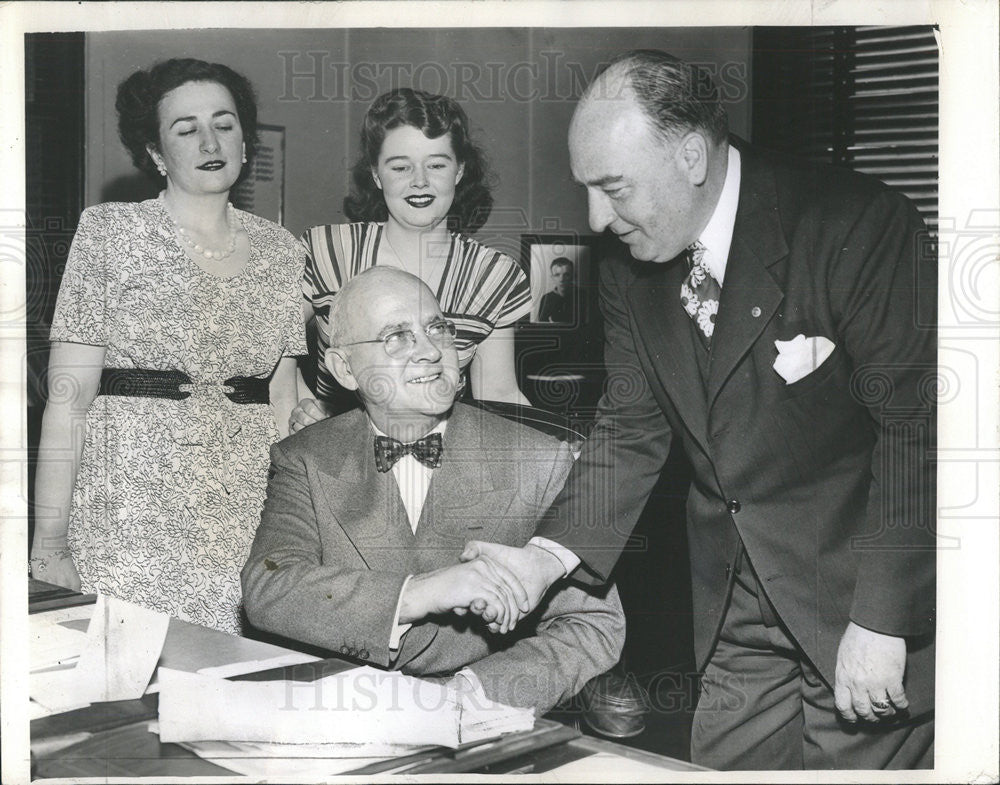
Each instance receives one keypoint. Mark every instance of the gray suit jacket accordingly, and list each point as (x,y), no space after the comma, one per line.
(335,546)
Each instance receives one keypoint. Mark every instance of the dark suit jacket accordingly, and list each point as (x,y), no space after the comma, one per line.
(335,546)
(557,307)
(826,480)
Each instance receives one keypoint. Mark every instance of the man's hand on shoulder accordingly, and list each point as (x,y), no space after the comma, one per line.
(535,569)
(869,680)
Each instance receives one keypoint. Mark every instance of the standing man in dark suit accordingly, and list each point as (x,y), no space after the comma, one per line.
(774,318)
(367,514)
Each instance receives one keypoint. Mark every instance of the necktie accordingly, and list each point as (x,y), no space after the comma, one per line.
(427,450)
(700,293)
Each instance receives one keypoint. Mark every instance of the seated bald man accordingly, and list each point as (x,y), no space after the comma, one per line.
(367,514)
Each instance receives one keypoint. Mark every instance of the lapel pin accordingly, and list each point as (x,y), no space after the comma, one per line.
(755,311)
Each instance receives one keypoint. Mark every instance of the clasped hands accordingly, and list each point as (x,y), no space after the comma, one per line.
(499,583)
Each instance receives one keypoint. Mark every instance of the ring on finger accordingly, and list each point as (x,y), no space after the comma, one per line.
(879,705)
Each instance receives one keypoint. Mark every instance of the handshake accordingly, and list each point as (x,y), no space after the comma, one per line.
(498,583)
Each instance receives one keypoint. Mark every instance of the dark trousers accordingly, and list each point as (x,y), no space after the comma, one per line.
(764,706)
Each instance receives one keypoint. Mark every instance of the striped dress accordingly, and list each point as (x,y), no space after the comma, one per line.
(480,289)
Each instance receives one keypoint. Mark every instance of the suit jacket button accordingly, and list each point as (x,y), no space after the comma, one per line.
(734,506)
(363,654)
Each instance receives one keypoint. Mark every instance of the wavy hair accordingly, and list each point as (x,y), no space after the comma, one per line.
(139,99)
(434,115)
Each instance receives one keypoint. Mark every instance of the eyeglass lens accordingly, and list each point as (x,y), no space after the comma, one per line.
(441,334)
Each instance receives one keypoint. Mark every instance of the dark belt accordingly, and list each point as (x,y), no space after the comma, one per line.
(146,383)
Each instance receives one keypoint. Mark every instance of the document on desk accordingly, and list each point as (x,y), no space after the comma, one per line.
(124,642)
(359,706)
(295,762)
(54,645)
(113,660)
(55,650)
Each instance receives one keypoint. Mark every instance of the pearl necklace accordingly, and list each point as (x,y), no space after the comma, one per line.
(196,247)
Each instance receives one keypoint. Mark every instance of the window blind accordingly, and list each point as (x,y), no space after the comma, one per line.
(863,97)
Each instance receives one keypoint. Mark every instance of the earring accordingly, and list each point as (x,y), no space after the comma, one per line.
(160,167)
(244,152)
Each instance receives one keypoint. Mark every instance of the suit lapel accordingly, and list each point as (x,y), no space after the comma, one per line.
(750,295)
(470,492)
(665,330)
(366,503)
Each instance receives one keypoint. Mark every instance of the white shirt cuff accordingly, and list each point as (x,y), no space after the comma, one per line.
(398,630)
(569,560)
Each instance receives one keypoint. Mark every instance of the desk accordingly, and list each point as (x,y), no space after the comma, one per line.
(112,739)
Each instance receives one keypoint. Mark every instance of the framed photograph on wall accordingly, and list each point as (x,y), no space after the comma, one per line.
(262,192)
(562,271)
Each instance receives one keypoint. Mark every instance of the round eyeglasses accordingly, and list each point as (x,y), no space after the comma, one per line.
(401,342)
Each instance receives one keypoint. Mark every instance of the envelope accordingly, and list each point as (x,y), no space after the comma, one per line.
(801,356)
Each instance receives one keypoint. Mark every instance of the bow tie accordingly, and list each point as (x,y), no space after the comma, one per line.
(427,450)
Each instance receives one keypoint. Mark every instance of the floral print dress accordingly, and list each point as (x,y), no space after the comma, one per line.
(169,493)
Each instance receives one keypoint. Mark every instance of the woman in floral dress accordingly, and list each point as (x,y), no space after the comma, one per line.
(173,345)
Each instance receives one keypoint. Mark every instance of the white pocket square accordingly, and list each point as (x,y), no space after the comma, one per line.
(801,356)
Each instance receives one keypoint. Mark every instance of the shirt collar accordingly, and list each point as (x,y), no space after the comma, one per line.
(717,236)
(439,428)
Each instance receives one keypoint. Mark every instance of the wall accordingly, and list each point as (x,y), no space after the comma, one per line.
(519,87)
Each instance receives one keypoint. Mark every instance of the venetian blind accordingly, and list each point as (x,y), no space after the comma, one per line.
(863,97)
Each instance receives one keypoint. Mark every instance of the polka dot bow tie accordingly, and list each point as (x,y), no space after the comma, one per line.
(700,293)
(427,450)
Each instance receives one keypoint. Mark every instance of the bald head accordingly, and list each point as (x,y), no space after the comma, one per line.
(612,84)
(676,97)
(611,108)
(386,343)
(356,298)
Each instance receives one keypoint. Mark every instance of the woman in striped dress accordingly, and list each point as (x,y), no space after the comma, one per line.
(419,184)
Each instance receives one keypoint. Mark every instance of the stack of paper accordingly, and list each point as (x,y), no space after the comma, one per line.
(360,706)
(486,719)
(294,762)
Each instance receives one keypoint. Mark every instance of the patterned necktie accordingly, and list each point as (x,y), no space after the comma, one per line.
(427,450)
(700,293)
